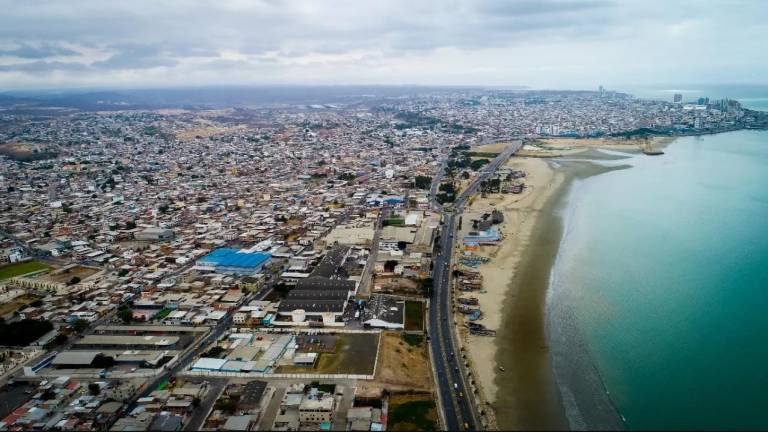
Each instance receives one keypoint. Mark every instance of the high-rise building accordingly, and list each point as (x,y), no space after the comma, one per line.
(678,98)
(703,101)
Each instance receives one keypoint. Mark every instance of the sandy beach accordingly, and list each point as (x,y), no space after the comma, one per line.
(520,214)
(556,147)
(525,395)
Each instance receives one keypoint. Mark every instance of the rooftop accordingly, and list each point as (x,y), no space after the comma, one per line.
(235,258)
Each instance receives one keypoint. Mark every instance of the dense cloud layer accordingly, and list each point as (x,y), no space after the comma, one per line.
(542,43)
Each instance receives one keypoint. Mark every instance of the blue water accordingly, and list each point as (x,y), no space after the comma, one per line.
(665,267)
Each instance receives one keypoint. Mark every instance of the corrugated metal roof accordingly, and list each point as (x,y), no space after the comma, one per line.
(235,258)
(75,358)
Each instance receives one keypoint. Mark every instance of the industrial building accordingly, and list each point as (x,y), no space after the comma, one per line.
(234,262)
(154,234)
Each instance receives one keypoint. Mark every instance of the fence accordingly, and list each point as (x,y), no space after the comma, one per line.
(220,374)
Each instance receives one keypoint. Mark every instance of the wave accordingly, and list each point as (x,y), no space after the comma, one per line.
(586,400)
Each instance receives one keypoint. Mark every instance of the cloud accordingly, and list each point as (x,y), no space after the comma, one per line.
(43,50)
(43,67)
(136,57)
(528,42)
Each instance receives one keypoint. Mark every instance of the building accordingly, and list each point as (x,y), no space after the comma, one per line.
(321,297)
(233,261)
(316,407)
(154,234)
(489,236)
(677,98)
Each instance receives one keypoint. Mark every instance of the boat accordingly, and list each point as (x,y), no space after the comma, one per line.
(501,368)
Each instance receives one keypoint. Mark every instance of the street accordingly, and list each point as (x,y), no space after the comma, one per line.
(454,393)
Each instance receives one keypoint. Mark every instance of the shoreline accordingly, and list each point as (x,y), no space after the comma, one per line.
(517,283)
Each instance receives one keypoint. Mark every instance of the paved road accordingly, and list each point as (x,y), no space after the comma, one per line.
(216,386)
(270,412)
(366,279)
(185,359)
(459,411)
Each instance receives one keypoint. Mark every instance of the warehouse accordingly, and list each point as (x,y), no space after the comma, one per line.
(234,262)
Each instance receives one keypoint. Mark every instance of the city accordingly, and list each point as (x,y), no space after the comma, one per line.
(294,267)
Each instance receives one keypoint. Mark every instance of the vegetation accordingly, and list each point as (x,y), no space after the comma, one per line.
(125,314)
(412,415)
(80,325)
(226,404)
(414,315)
(413,339)
(640,132)
(327,388)
(24,332)
(482,154)
(22,268)
(447,193)
(479,163)
(426,288)
(422,182)
(397,221)
(164,312)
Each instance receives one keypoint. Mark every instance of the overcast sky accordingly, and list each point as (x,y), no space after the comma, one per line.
(537,43)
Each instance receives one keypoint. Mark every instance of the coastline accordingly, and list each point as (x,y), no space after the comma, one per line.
(528,394)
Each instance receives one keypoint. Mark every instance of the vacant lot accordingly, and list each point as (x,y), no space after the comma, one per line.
(402,364)
(67,275)
(414,315)
(26,151)
(491,148)
(412,412)
(17,303)
(22,268)
(354,354)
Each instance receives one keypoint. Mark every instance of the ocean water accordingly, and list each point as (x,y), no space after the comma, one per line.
(663,269)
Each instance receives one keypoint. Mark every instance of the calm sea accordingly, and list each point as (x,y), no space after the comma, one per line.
(663,268)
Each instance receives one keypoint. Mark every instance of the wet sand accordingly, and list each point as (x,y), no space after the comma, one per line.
(526,395)
(520,213)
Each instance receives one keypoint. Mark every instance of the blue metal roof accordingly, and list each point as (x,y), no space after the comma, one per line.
(235,258)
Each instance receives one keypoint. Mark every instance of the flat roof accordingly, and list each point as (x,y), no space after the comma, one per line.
(312,306)
(159,341)
(152,328)
(75,358)
(208,363)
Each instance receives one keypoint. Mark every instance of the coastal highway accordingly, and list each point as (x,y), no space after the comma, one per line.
(455,396)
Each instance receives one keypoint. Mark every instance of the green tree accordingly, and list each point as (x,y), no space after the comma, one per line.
(125,314)
(422,182)
(80,325)
(479,163)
